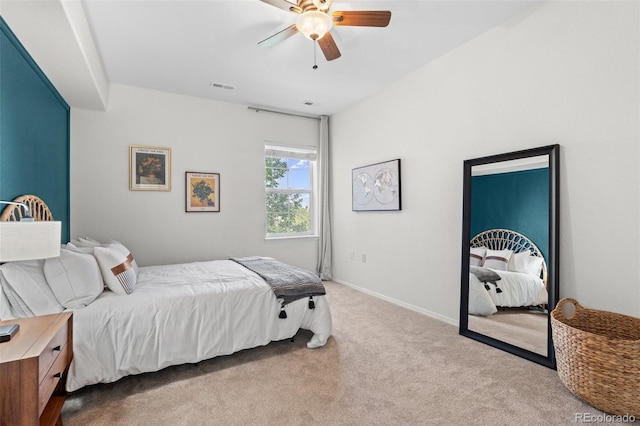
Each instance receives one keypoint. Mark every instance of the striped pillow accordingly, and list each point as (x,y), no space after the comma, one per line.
(497,259)
(119,246)
(117,268)
(477,256)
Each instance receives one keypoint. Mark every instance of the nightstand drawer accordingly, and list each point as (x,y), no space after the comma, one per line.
(51,353)
(33,370)
(51,378)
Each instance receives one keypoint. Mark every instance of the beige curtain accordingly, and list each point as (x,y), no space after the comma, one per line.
(324,266)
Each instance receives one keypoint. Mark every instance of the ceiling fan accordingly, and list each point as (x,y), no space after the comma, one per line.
(315,23)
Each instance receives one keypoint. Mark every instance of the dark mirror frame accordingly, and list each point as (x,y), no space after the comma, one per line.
(552,261)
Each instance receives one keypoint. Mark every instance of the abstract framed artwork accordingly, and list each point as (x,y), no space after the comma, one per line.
(376,187)
(202,192)
(149,168)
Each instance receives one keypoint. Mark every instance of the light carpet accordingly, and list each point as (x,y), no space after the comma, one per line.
(383,365)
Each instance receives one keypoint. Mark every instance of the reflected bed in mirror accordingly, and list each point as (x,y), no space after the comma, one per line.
(510,251)
(507,289)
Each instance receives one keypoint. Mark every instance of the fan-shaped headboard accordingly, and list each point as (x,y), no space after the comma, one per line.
(506,239)
(37,209)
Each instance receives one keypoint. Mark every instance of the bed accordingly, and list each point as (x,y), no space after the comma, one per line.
(156,316)
(506,270)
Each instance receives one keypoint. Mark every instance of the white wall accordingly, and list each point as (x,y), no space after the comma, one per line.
(565,73)
(204,136)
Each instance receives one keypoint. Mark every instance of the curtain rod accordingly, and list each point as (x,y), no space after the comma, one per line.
(314,117)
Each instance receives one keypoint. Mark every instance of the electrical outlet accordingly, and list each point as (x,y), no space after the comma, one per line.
(363,257)
(352,255)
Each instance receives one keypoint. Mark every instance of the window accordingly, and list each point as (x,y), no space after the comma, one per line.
(289,190)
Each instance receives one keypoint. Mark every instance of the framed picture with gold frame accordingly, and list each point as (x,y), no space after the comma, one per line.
(149,168)
(202,192)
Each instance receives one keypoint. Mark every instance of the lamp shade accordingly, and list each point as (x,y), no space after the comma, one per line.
(314,24)
(29,240)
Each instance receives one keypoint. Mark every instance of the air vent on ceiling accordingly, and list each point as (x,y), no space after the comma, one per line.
(221,86)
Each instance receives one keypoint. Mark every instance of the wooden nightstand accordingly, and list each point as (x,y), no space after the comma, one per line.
(33,368)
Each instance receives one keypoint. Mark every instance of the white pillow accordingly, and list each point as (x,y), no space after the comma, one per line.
(11,305)
(526,263)
(497,259)
(477,256)
(116,267)
(79,249)
(82,246)
(5,307)
(85,242)
(74,278)
(27,281)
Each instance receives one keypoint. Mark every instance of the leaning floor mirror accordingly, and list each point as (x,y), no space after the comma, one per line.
(509,282)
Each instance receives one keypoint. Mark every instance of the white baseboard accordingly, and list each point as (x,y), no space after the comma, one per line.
(400,303)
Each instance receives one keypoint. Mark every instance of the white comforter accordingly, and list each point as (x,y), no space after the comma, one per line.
(518,289)
(184,313)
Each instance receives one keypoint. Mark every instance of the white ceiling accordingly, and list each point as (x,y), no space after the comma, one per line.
(184,46)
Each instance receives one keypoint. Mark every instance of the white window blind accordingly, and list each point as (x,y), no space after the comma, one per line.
(299,153)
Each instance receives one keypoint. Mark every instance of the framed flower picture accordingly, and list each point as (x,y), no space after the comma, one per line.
(202,192)
(149,168)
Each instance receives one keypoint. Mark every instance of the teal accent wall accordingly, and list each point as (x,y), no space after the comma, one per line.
(34,131)
(518,201)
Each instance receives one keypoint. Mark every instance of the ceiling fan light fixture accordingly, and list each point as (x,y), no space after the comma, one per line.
(322,5)
(314,24)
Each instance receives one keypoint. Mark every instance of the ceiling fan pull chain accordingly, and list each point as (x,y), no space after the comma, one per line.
(315,64)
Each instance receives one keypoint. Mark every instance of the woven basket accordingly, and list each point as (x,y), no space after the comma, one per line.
(598,357)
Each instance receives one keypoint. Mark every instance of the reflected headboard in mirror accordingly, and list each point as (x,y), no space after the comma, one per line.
(506,239)
(511,200)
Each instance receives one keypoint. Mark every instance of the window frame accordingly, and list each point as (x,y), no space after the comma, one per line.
(298,152)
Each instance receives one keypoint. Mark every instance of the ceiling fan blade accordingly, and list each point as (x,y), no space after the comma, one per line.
(329,47)
(284,5)
(362,18)
(279,36)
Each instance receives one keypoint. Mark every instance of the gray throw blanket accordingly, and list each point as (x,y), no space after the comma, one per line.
(484,275)
(288,282)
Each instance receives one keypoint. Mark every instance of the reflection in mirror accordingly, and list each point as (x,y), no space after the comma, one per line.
(509,263)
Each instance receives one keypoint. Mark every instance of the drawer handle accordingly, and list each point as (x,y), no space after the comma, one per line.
(57,375)
(57,348)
